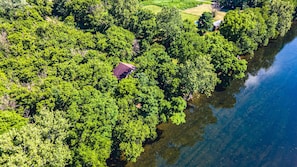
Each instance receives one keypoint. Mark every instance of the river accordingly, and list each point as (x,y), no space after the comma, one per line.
(252,123)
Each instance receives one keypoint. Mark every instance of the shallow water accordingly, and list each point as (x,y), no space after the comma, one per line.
(252,123)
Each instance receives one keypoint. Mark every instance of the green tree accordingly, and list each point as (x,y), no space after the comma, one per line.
(88,14)
(169,24)
(271,20)
(144,25)
(284,10)
(8,7)
(205,23)
(158,66)
(186,47)
(232,4)
(177,110)
(131,130)
(246,28)
(119,42)
(188,26)
(44,7)
(132,133)
(9,120)
(224,58)
(94,116)
(198,76)
(123,11)
(39,144)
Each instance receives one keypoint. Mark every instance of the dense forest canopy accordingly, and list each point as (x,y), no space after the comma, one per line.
(61,105)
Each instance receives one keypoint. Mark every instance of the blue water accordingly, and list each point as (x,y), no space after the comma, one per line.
(261,129)
(253,123)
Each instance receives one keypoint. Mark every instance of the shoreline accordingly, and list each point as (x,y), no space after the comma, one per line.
(196,99)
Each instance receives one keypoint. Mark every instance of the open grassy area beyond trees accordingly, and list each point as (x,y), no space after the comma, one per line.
(180,4)
(190,12)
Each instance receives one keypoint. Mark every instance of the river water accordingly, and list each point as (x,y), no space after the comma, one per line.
(252,123)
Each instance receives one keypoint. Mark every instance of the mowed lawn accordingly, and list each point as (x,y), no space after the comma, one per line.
(180,4)
(197,11)
(153,8)
(192,13)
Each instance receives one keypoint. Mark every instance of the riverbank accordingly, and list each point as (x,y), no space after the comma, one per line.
(175,139)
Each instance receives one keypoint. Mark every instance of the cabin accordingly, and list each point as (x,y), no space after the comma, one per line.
(216,24)
(123,70)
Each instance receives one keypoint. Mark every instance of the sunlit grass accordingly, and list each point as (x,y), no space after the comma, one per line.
(156,9)
(220,15)
(153,8)
(197,11)
(191,14)
(180,4)
(190,17)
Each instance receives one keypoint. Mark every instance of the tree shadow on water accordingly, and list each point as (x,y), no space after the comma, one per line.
(262,59)
(174,138)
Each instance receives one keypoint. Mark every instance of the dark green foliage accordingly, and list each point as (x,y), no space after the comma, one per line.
(177,113)
(144,26)
(157,65)
(88,14)
(64,73)
(169,25)
(44,7)
(123,11)
(138,104)
(224,57)
(284,11)
(37,144)
(95,119)
(240,27)
(119,43)
(232,4)
(59,8)
(294,2)
(57,60)
(186,47)
(205,23)
(252,27)
(9,7)
(198,76)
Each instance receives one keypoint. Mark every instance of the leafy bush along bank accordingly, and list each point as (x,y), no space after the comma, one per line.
(57,59)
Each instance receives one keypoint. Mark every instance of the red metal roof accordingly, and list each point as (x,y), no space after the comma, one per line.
(122,70)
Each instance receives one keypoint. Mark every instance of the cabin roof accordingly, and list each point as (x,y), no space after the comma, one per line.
(123,70)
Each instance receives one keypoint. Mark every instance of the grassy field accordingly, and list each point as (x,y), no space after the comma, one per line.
(180,4)
(197,11)
(191,14)
(155,9)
